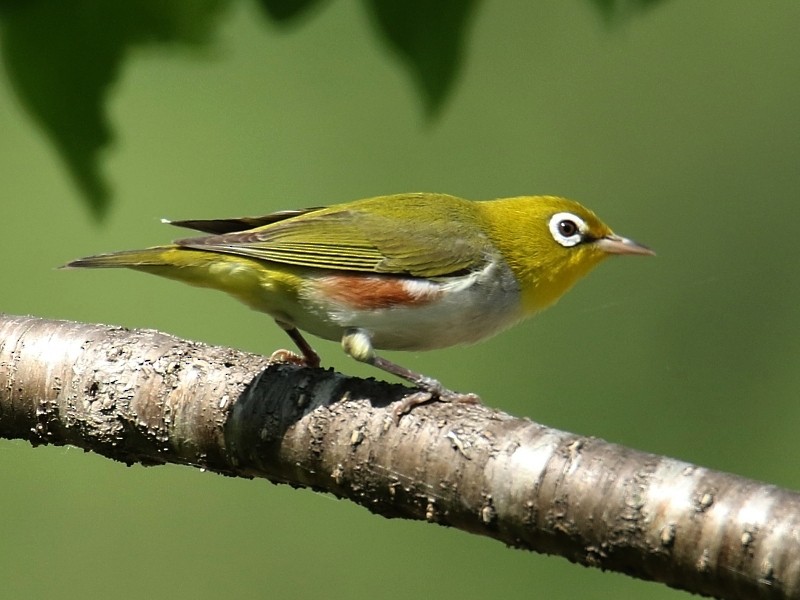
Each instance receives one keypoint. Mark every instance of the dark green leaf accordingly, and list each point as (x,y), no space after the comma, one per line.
(62,58)
(286,10)
(429,37)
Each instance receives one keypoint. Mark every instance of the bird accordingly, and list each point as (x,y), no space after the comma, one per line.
(414,272)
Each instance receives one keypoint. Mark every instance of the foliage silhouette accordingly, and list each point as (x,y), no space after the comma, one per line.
(429,38)
(286,10)
(63,57)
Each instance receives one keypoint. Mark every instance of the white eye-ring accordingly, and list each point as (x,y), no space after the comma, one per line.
(567,229)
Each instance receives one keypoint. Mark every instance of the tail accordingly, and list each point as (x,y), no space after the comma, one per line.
(159,256)
(239,276)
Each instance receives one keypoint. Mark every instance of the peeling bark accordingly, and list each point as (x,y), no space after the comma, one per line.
(143,396)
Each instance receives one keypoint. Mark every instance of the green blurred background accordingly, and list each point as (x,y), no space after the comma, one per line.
(678,123)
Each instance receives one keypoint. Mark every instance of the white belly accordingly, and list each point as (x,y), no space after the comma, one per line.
(459,310)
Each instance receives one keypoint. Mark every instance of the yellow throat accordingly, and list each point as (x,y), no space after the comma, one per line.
(549,243)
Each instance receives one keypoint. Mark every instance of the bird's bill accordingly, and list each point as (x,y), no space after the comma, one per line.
(615,244)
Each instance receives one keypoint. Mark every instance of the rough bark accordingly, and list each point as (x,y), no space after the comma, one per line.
(143,396)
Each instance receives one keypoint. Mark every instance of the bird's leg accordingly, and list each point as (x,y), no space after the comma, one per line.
(357,343)
(309,357)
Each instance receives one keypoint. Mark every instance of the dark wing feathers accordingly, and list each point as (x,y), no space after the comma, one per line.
(219,226)
(348,237)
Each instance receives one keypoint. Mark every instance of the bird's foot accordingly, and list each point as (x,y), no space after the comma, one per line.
(288,357)
(432,391)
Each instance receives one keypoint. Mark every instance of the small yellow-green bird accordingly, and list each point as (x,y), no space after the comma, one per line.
(402,272)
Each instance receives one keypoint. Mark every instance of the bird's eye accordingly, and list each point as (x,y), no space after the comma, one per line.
(567,229)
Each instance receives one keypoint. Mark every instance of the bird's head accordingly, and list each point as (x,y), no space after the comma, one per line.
(550,243)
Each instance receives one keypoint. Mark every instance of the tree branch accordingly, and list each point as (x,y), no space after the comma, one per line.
(143,396)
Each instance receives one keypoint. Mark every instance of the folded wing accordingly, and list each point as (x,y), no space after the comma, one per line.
(408,235)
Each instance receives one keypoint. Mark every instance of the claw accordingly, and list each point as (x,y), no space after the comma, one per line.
(288,357)
(404,405)
(408,402)
(459,398)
